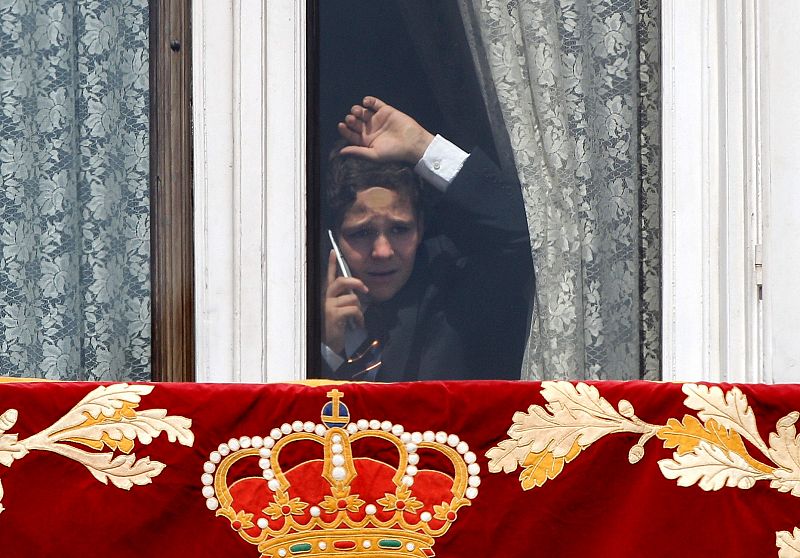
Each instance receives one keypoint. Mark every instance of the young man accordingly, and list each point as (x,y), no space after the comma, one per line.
(453,306)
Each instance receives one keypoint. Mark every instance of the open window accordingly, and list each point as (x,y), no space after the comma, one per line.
(569,102)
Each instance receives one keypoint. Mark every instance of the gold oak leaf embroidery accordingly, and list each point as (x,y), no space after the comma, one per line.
(124,444)
(712,449)
(685,436)
(543,466)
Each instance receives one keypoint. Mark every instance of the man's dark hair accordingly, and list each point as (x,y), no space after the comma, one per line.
(349,175)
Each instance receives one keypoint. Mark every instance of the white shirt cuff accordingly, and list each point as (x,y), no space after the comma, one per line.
(441,163)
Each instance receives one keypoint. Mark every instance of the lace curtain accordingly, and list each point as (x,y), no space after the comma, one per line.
(572,89)
(74,165)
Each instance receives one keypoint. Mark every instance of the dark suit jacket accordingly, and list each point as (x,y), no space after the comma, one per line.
(464,312)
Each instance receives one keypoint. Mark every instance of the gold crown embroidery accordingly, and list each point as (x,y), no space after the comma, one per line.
(372,489)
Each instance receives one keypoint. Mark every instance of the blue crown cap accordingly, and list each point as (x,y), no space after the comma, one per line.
(335,413)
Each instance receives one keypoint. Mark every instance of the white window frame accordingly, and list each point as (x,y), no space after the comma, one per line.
(712,183)
(250,189)
(249,63)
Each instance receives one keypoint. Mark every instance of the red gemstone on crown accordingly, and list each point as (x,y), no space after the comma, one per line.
(400,505)
(236,525)
(451,516)
(341,504)
(344,545)
(286,510)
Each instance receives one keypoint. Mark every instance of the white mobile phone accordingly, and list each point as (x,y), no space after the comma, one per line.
(343,269)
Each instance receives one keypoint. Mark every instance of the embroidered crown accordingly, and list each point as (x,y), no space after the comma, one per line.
(323,489)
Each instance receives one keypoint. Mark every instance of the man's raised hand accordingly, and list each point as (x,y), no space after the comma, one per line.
(380,132)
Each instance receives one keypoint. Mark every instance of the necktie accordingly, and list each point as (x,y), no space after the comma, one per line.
(365,362)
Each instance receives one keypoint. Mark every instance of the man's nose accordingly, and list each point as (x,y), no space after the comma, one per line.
(382,248)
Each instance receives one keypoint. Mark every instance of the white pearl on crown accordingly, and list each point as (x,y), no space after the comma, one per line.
(207,479)
(223,450)
(320,429)
(425,516)
(323,545)
(462,447)
(367,544)
(416,437)
(286,428)
(209,467)
(257,441)
(212,504)
(245,442)
(297,426)
(362,424)
(452,440)
(413,458)
(215,457)
(314,511)
(339,473)
(397,429)
(405,437)
(475,482)
(274,485)
(386,426)
(264,463)
(336,439)
(370,509)
(352,428)
(470,458)
(262,523)
(375,424)
(208,491)
(269,442)
(441,437)
(411,470)
(337,460)
(268,474)
(471,493)
(428,436)
(265,452)
(308,426)
(410,547)
(275,434)
(337,448)
(473,469)
(408,481)
(234,444)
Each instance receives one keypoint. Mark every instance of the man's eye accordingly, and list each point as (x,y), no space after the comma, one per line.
(357,234)
(400,229)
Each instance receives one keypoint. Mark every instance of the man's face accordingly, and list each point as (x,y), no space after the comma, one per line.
(379,237)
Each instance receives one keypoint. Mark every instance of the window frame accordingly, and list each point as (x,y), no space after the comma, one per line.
(171,221)
(251,266)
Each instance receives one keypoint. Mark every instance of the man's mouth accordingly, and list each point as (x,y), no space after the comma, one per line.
(379,275)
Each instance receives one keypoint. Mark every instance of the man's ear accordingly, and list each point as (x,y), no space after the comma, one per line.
(420,228)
